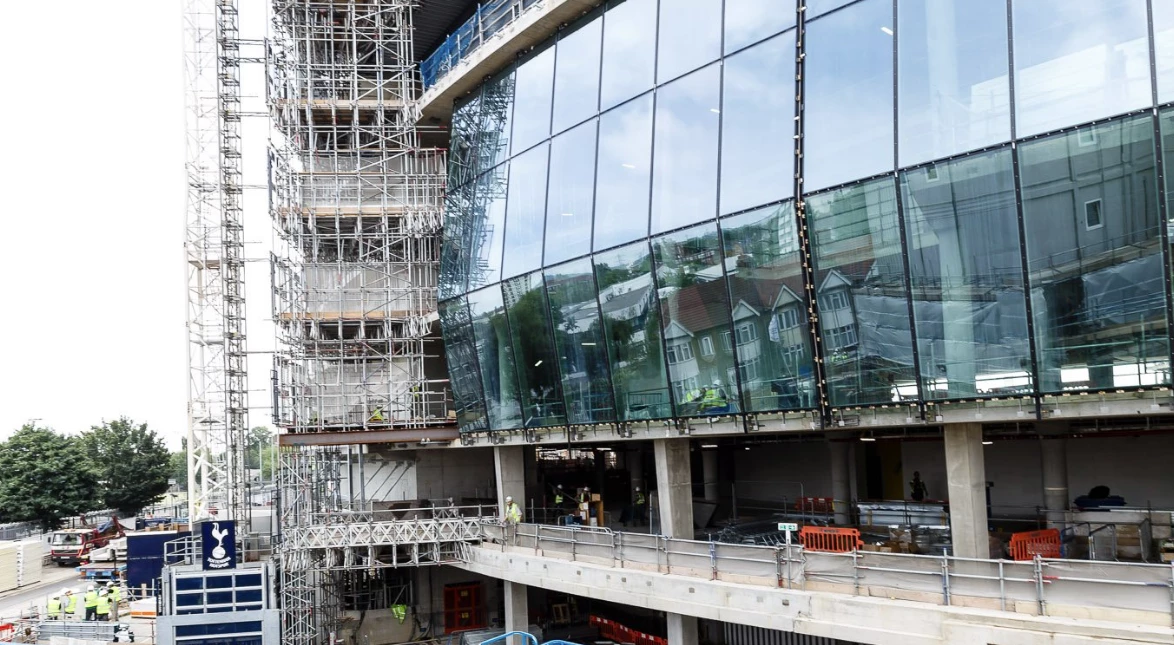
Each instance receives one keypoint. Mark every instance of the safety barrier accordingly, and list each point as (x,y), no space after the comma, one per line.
(619,633)
(830,540)
(490,18)
(1028,544)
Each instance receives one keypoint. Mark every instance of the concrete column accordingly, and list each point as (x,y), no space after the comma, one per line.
(682,630)
(674,487)
(635,462)
(509,462)
(530,463)
(1054,454)
(709,474)
(966,481)
(841,481)
(517,610)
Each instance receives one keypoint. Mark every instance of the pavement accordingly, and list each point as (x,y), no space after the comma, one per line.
(28,601)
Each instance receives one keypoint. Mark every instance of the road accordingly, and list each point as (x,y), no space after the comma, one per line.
(54,579)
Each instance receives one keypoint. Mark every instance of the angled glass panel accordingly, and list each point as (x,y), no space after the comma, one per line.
(684,167)
(493,141)
(758,125)
(487,227)
(1164,49)
(695,319)
(460,352)
(576,76)
(623,171)
(533,87)
(816,8)
(629,51)
(860,295)
(1094,254)
(631,325)
(967,278)
(571,193)
(539,386)
(766,291)
(849,106)
(495,358)
(454,248)
(953,90)
(462,147)
(749,21)
(690,36)
(526,212)
(1078,60)
(579,340)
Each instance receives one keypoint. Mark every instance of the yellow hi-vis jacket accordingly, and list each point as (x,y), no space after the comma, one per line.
(71,603)
(91,599)
(513,514)
(103,605)
(54,606)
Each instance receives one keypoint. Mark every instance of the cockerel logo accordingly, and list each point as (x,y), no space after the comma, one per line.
(219,558)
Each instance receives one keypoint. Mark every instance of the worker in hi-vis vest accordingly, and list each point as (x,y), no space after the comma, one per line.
(103,608)
(115,597)
(91,603)
(70,603)
(54,608)
(400,612)
(513,514)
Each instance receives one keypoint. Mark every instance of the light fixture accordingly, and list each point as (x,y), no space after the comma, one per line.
(748,447)
(709,445)
(587,344)
(628,166)
(887,30)
(987,443)
(568,214)
(538,363)
(715,110)
(867,439)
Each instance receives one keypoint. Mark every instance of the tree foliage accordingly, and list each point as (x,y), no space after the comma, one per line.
(131,463)
(44,477)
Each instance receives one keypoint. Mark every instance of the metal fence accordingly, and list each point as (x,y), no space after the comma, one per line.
(490,18)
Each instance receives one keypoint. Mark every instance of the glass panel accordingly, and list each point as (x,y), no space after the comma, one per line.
(766,288)
(695,306)
(860,294)
(578,336)
(631,322)
(690,36)
(532,98)
(538,379)
(684,170)
(493,142)
(952,77)
(621,193)
(849,107)
(629,53)
(816,8)
(571,194)
(460,352)
(967,278)
(495,358)
(1164,49)
(749,21)
(462,148)
(487,227)
(1094,255)
(758,125)
(526,212)
(576,81)
(454,261)
(1078,60)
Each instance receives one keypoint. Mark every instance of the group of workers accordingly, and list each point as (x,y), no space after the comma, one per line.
(99,604)
(709,400)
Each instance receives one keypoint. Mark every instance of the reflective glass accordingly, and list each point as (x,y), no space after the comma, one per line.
(576,76)
(578,338)
(953,91)
(571,194)
(493,141)
(1164,49)
(860,295)
(533,87)
(1094,257)
(684,169)
(629,53)
(539,385)
(690,36)
(698,337)
(623,171)
(462,147)
(1078,60)
(849,106)
(631,323)
(967,277)
(765,279)
(460,352)
(749,21)
(758,125)
(487,227)
(526,212)
(454,264)
(816,8)
(495,358)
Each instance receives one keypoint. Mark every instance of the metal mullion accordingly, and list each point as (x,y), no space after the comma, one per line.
(1163,207)
(664,354)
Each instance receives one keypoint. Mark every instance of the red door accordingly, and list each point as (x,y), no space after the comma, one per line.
(463,607)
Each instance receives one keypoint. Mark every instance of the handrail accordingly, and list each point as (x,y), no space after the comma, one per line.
(526,636)
(490,18)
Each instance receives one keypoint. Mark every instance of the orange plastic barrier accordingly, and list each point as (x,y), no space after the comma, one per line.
(833,540)
(1027,545)
(613,631)
(7,632)
(816,504)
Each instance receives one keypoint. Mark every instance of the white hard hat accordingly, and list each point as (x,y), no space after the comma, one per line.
(637,489)
(559,486)
(91,588)
(508,499)
(717,383)
(64,591)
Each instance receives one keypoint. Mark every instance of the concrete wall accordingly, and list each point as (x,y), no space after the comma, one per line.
(399,475)
(785,463)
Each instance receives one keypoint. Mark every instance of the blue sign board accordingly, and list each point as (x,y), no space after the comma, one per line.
(219,544)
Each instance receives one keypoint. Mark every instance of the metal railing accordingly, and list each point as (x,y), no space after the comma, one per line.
(490,18)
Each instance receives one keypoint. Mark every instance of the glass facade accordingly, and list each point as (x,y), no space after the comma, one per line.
(673,208)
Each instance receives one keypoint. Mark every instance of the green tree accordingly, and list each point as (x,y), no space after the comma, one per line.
(131,463)
(258,439)
(44,477)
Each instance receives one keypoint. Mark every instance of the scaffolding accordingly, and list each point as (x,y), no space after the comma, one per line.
(357,206)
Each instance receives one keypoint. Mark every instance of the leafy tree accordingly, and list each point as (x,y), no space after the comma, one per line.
(131,462)
(44,477)
(179,466)
(258,439)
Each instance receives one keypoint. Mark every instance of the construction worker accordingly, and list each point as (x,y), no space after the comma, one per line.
(53,607)
(558,496)
(513,514)
(70,603)
(115,597)
(91,603)
(640,508)
(714,401)
(103,607)
(400,612)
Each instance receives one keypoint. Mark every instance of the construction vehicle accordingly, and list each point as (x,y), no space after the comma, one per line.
(74,546)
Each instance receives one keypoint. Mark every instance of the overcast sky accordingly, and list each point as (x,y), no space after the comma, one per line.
(91,252)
